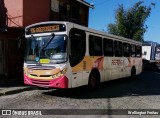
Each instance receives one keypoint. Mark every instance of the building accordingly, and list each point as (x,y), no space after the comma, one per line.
(76,11)
(15,15)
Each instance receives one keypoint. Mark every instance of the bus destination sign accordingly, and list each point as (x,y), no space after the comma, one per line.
(45,28)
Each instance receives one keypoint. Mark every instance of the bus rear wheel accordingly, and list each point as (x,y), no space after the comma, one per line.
(94,80)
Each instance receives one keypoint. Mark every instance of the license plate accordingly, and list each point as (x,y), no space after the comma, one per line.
(44,61)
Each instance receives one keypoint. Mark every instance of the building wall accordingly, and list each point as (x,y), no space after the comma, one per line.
(11,56)
(21,13)
(35,11)
(1,58)
(14,12)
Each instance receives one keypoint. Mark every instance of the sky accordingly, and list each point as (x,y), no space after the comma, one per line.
(104,14)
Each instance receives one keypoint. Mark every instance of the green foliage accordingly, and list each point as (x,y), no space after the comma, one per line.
(131,23)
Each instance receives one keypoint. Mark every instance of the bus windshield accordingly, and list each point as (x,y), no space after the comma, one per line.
(46,49)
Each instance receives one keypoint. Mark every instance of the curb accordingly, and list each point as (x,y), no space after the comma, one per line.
(10,92)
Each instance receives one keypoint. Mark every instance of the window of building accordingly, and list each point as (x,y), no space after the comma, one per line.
(63,8)
(95,45)
(118,48)
(75,11)
(139,51)
(77,46)
(133,50)
(69,10)
(55,5)
(126,50)
(108,47)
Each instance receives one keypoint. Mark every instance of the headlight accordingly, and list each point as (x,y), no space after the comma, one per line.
(61,73)
(64,71)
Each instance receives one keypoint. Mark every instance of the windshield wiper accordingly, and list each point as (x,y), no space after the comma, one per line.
(49,40)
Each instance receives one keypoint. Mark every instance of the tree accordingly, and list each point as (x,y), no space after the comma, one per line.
(131,23)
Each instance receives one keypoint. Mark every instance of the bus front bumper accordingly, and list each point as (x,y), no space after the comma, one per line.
(61,82)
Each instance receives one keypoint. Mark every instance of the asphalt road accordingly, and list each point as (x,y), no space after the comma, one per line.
(141,93)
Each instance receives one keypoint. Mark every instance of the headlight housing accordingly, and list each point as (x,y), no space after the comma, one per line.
(59,74)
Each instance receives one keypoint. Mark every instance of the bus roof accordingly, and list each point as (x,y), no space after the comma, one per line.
(103,34)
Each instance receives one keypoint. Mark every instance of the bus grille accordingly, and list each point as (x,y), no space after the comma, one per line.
(40,82)
(40,75)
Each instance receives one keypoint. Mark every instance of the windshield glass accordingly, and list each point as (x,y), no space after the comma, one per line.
(46,49)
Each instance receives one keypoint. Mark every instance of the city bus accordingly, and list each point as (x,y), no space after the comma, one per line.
(67,55)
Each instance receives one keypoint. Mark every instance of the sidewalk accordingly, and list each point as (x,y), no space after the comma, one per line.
(13,88)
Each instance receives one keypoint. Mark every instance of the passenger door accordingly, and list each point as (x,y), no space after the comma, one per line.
(76,55)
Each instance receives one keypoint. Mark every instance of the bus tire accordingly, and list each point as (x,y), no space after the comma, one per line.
(133,72)
(94,79)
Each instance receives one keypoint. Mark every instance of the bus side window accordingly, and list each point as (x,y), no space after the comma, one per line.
(126,50)
(133,50)
(77,46)
(139,51)
(118,48)
(95,45)
(108,47)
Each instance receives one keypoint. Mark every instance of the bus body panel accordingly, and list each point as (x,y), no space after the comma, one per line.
(110,68)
